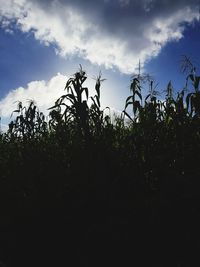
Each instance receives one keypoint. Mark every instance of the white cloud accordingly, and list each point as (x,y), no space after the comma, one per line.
(43,93)
(170,28)
(119,39)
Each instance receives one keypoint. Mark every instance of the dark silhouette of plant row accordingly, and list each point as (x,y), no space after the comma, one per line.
(77,168)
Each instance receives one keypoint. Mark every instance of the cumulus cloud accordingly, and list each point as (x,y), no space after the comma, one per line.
(113,33)
(44,94)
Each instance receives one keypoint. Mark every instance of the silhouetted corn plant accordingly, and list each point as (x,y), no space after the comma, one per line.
(71,106)
(96,114)
(135,99)
(161,135)
(29,123)
(193,98)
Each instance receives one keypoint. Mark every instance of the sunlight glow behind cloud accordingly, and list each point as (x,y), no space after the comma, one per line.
(45,93)
(116,36)
(110,33)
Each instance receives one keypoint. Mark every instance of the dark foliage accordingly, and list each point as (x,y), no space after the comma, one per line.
(78,190)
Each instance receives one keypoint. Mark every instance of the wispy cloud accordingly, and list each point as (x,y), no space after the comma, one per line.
(110,33)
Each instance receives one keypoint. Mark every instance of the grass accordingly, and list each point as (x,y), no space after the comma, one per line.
(77,189)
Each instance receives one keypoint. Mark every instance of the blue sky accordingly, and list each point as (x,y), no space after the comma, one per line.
(43,42)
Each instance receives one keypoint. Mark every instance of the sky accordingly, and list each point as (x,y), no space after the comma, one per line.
(42,43)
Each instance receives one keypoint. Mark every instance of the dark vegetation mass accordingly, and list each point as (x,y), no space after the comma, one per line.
(81,188)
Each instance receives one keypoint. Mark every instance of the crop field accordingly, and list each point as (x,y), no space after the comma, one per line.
(84,188)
